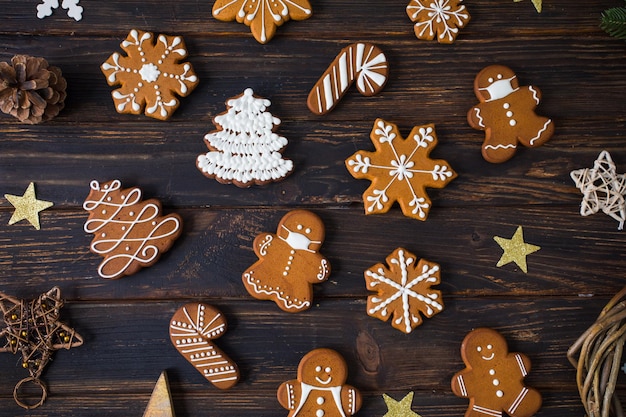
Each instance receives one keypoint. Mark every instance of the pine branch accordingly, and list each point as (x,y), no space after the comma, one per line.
(614,22)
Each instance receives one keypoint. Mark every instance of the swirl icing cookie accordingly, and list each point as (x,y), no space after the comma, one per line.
(129,233)
(320,389)
(289,262)
(151,75)
(506,113)
(361,62)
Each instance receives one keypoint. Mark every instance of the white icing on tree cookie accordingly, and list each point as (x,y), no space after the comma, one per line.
(245,150)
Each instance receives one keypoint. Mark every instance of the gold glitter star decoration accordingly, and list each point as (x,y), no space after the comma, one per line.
(160,404)
(33,329)
(27,207)
(400,408)
(603,189)
(536,3)
(515,249)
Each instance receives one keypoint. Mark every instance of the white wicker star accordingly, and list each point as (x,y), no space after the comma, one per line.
(603,189)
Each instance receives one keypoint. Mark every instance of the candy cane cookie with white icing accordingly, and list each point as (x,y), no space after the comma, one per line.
(129,233)
(362,62)
(192,330)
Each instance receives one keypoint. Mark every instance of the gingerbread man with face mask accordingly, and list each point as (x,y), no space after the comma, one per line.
(289,262)
(506,113)
(320,389)
(493,379)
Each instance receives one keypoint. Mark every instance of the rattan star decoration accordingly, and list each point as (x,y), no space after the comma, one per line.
(27,207)
(515,249)
(33,329)
(603,189)
(400,408)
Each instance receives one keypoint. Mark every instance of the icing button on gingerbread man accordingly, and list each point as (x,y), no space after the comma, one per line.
(493,379)
(320,389)
(289,262)
(506,113)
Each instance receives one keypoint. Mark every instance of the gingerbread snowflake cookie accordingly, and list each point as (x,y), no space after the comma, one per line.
(262,16)
(493,379)
(400,169)
(245,150)
(438,18)
(129,233)
(403,290)
(506,113)
(192,330)
(151,75)
(320,388)
(289,262)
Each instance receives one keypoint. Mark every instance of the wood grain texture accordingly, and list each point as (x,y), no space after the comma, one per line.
(580,71)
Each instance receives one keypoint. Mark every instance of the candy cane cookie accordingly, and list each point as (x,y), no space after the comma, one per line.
(360,61)
(192,329)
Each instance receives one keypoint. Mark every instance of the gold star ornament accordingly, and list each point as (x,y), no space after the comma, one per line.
(160,404)
(400,408)
(27,206)
(515,249)
(536,3)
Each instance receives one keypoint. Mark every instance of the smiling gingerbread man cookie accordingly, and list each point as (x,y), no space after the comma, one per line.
(506,113)
(289,262)
(320,388)
(493,379)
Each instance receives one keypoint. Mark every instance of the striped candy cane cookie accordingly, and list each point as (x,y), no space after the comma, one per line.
(362,62)
(192,329)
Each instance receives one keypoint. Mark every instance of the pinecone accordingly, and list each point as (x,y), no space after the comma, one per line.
(30,90)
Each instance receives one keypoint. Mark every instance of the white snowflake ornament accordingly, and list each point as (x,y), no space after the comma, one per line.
(73,9)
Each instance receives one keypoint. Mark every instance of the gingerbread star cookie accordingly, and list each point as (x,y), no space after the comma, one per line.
(151,75)
(262,16)
(403,290)
(438,18)
(493,379)
(320,388)
(400,169)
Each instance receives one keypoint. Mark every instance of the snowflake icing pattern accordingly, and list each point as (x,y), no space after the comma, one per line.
(400,170)
(438,17)
(262,16)
(403,290)
(150,75)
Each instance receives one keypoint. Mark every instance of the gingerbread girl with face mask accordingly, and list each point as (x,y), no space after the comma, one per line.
(506,113)
(289,262)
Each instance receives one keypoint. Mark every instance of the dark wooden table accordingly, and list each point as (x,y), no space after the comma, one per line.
(581,264)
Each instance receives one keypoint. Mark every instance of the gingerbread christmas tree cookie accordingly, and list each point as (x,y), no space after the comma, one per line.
(245,150)
(151,75)
(129,233)
(400,169)
(403,290)
(262,16)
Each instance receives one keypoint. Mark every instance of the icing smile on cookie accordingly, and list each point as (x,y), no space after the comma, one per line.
(326,381)
(486,358)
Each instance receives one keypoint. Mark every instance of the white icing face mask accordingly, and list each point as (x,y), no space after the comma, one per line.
(298,241)
(500,89)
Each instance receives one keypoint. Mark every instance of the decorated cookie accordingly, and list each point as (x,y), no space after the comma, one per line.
(403,290)
(400,169)
(362,62)
(245,150)
(262,16)
(493,379)
(192,330)
(440,18)
(320,388)
(151,75)
(506,113)
(289,262)
(129,233)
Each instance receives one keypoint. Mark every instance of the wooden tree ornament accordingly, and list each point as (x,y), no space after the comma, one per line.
(33,329)
(597,357)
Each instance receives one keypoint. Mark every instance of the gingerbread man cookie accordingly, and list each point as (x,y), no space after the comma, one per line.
(320,388)
(506,113)
(289,262)
(493,379)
